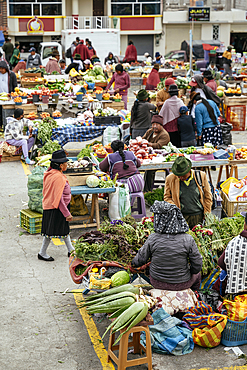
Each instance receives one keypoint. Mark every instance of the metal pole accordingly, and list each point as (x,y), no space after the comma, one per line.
(191,42)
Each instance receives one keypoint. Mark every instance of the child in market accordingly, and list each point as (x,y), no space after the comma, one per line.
(13,133)
(187,128)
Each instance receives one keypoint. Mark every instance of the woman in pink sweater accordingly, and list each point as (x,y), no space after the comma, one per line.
(52,64)
(122,83)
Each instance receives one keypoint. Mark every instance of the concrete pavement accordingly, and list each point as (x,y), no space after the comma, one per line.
(42,329)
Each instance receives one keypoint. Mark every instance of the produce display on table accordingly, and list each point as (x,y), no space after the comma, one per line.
(183,82)
(141,149)
(45,129)
(105,112)
(35,70)
(49,147)
(81,163)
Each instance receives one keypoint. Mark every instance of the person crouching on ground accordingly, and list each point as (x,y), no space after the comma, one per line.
(13,133)
(175,259)
(56,199)
(186,127)
(182,189)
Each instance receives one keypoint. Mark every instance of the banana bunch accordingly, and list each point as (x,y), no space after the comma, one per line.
(4,96)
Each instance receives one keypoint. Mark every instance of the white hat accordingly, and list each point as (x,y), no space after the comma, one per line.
(146,54)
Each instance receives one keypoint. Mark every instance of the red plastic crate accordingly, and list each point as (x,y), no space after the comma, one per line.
(236,115)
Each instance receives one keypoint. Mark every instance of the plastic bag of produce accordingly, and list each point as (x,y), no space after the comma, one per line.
(110,134)
(119,203)
(35,189)
(78,206)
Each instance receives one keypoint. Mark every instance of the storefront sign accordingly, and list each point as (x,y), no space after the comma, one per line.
(35,26)
(200,14)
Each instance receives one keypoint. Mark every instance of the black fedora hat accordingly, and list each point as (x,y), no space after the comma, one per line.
(59,156)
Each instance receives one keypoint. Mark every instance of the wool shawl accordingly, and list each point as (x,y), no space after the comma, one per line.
(170,109)
(53,186)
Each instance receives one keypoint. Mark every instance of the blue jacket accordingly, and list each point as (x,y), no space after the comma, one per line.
(202,116)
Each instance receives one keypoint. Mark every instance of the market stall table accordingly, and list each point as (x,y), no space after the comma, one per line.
(233,164)
(74,133)
(75,190)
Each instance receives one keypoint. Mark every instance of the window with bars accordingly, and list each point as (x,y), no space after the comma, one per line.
(35,8)
(135,7)
(216,32)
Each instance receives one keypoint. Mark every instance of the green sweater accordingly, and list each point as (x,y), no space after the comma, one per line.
(190,198)
(15,57)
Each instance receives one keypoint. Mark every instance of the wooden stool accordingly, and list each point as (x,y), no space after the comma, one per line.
(121,361)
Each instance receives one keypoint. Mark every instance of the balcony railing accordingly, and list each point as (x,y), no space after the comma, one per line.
(88,22)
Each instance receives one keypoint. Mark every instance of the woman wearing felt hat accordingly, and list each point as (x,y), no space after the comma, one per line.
(141,114)
(56,199)
(76,64)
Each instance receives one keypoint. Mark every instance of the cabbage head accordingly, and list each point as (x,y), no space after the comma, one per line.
(100,78)
(92,181)
(98,70)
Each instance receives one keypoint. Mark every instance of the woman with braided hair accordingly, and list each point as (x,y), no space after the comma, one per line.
(207,123)
(124,164)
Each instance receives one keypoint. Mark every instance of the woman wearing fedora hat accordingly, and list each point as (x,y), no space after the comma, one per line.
(141,114)
(56,199)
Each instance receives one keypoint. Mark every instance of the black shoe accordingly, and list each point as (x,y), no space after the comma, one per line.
(68,254)
(45,259)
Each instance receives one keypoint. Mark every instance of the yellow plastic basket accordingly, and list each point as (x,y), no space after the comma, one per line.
(225,186)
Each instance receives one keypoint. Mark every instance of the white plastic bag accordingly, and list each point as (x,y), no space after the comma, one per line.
(110,134)
(119,203)
(237,195)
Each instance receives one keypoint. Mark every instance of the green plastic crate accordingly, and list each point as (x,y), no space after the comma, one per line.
(30,221)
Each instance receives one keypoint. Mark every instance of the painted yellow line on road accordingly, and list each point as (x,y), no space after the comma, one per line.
(93,334)
(26,168)
(223,368)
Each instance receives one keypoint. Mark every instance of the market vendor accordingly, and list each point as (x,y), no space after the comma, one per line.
(76,64)
(21,65)
(163,94)
(52,64)
(110,59)
(86,64)
(198,86)
(13,133)
(183,189)
(130,53)
(207,122)
(227,61)
(175,259)
(33,60)
(62,65)
(233,262)
(122,83)
(212,68)
(209,80)
(158,57)
(157,137)
(153,78)
(56,199)
(141,115)
(82,50)
(170,114)
(8,81)
(15,56)
(124,164)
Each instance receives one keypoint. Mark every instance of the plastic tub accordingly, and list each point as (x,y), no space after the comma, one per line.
(79,97)
(90,85)
(99,96)
(35,98)
(55,98)
(45,99)
(20,103)
(201,157)
(225,186)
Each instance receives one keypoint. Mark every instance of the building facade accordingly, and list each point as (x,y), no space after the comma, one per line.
(153,25)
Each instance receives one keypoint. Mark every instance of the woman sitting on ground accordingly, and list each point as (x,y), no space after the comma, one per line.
(124,164)
(175,259)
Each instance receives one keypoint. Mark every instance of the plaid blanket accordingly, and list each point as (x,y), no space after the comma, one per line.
(74,133)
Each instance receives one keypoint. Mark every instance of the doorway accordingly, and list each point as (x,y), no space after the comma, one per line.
(143,43)
(98,8)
